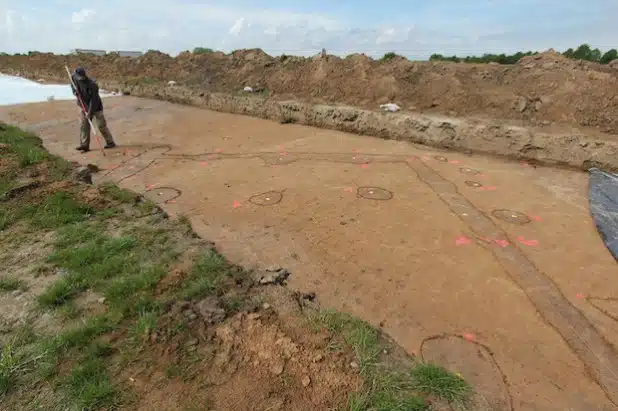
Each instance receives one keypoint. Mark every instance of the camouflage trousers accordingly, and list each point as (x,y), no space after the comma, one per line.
(100,123)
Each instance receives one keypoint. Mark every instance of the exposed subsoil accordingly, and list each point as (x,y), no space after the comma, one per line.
(255,361)
(262,358)
(538,90)
(492,268)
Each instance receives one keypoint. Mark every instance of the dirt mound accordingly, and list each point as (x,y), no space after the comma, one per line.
(250,362)
(539,89)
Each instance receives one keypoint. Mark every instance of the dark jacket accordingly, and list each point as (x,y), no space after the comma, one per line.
(88,92)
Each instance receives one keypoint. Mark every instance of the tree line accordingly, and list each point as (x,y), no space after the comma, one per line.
(583,52)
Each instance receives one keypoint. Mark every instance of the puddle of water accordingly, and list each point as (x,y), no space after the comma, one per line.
(17,90)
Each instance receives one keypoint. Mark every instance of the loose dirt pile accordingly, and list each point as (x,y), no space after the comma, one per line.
(542,89)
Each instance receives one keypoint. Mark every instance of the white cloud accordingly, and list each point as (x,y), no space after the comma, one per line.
(173,26)
(8,21)
(79,17)
(237,27)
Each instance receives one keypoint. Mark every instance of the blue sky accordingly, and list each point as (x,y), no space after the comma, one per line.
(412,28)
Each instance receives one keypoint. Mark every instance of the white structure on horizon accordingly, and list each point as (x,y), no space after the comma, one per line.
(88,51)
(121,53)
(124,53)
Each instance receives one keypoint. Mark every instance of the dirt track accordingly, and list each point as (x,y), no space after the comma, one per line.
(407,238)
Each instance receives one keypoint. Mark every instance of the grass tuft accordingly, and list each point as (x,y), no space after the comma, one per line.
(90,386)
(207,276)
(145,323)
(11,284)
(54,211)
(434,380)
(118,194)
(29,151)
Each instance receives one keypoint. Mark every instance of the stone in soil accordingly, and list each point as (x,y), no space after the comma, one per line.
(279,276)
(210,311)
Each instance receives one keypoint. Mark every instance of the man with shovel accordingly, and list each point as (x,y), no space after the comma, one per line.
(91,108)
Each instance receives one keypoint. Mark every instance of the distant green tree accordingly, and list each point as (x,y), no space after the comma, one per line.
(595,55)
(609,56)
(583,52)
(388,56)
(485,58)
(202,50)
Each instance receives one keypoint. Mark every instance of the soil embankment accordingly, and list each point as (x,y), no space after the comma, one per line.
(546,108)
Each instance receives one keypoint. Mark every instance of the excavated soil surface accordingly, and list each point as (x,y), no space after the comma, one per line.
(492,268)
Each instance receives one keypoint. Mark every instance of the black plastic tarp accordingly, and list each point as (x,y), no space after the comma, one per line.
(603,198)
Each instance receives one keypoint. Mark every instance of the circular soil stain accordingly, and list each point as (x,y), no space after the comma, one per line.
(467,170)
(374,193)
(476,362)
(162,194)
(511,216)
(268,198)
(278,159)
(441,158)
(474,184)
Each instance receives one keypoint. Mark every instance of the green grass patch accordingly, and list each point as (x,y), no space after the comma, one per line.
(207,276)
(434,380)
(119,267)
(90,386)
(83,335)
(384,388)
(26,146)
(359,335)
(28,150)
(145,323)
(18,359)
(8,367)
(58,209)
(119,194)
(11,284)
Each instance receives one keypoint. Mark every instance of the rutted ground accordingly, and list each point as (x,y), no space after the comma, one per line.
(106,303)
(492,268)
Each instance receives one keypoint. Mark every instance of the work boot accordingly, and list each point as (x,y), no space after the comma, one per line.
(110,145)
(82,149)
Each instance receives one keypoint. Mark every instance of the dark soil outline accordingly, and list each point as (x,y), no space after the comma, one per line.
(487,349)
(556,311)
(275,192)
(389,193)
(178,193)
(591,301)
